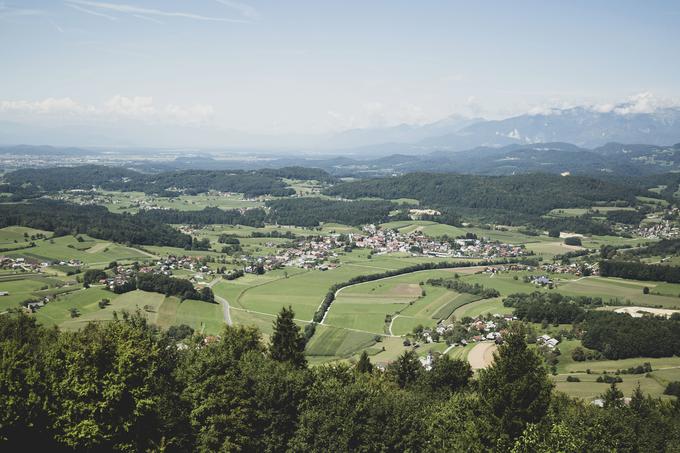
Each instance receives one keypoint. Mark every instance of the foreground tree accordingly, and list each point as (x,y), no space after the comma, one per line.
(447,375)
(516,388)
(364,364)
(288,343)
(406,370)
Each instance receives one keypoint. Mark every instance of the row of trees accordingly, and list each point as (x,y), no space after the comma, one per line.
(124,386)
(463,287)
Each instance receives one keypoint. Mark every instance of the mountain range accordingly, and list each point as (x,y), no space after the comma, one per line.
(586,127)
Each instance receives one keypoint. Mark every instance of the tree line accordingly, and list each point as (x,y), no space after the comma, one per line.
(464,287)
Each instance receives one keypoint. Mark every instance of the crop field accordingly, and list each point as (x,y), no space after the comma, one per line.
(333,342)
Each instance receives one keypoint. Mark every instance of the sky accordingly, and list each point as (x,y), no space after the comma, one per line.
(313,67)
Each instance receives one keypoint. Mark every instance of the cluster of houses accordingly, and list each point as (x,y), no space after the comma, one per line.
(123,277)
(20,264)
(577,269)
(417,243)
(665,229)
(307,254)
(30,265)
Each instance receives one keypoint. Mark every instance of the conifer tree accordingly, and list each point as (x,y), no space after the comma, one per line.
(288,343)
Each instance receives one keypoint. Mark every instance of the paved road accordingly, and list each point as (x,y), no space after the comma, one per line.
(481,356)
(222,301)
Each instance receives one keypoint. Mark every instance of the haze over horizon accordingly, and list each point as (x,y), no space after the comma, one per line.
(224,73)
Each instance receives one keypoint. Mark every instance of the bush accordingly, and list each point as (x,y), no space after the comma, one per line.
(573,240)
(573,379)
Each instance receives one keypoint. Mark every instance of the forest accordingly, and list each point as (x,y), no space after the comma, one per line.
(640,271)
(96,221)
(252,183)
(528,194)
(124,386)
(619,336)
(550,307)
(171,286)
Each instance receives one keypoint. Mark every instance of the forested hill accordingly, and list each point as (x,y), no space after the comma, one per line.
(96,221)
(529,193)
(252,183)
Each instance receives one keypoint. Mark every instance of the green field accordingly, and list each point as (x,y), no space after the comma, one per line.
(91,252)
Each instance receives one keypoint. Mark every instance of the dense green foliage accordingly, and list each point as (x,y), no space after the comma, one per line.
(619,336)
(550,307)
(530,194)
(251,183)
(206,216)
(311,212)
(640,271)
(171,286)
(463,287)
(124,386)
(96,221)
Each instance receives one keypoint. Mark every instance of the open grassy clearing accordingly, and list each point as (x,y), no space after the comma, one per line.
(131,201)
(85,301)
(20,288)
(144,302)
(92,252)
(624,290)
(589,389)
(14,236)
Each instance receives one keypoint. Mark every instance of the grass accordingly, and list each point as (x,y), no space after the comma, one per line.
(91,252)
(588,389)
(335,342)
(86,301)
(145,302)
(482,307)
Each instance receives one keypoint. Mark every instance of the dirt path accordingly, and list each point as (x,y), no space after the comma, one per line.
(481,356)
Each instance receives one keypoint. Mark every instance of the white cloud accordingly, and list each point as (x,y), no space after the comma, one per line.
(246,11)
(90,12)
(132,9)
(140,108)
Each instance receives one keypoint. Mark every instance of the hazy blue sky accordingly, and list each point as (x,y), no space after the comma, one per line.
(306,67)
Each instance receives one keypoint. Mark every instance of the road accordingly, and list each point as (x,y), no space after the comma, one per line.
(225,304)
(481,356)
